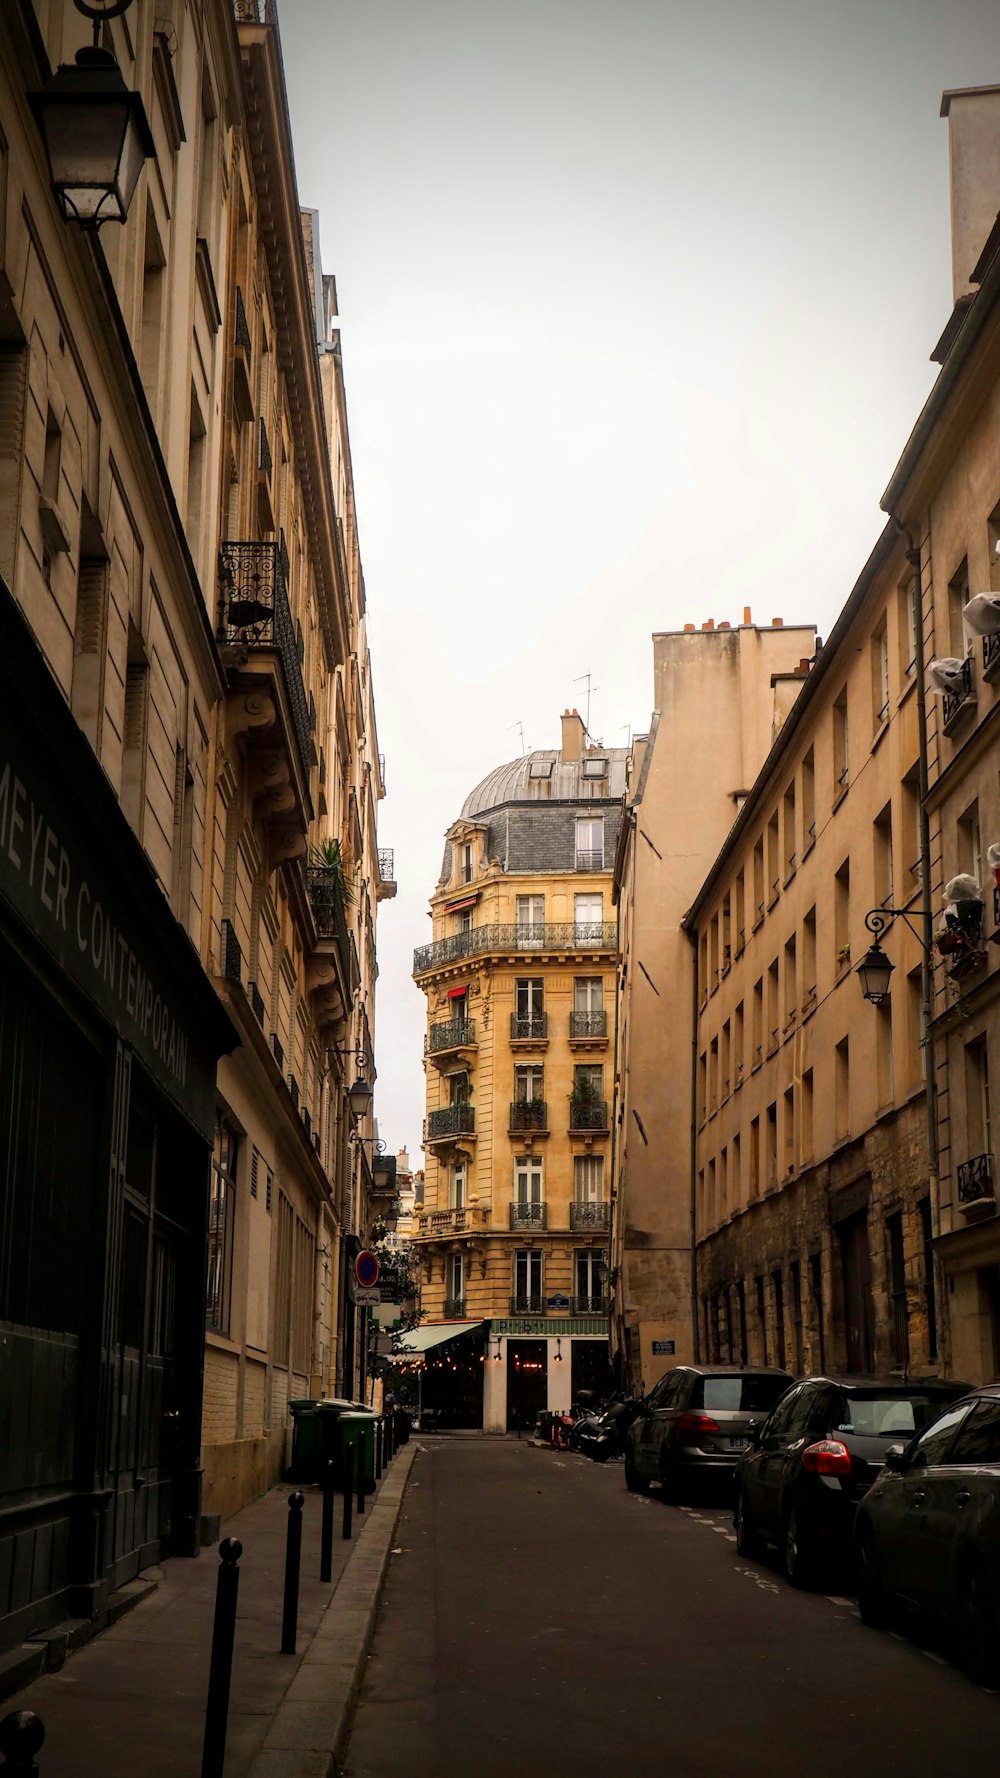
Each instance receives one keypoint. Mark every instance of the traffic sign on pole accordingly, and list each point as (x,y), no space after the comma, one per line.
(366,1269)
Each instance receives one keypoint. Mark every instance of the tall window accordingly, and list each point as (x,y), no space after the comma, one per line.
(774,869)
(958,598)
(589,1272)
(842,915)
(840,758)
(590,844)
(529,1007)
(882,848)
(808,801)
(466,867)
(588,1018)
(530,918)
(880,674)
(528,1082)
(221,1228)
(588,916)
(979,1130)
(788,822)
(588,1178)
(528,1179)
(455,1304)
(456,1186)
(528,1280)
(970,852)
(758,881)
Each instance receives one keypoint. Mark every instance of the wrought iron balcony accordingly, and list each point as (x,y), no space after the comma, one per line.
(243,339)
(450,1120)
(588,1114)
(588,1024)
(265,461)
(254,616)
(387,865)
(590,860)
(232,953)
(975,1179)
(991,655)
(528,1114)
(479,941)
(962,699)
(590,1215)
(326,898)
(454,1308)
(529,1030)
(459,1034)
(257,1002)
(525,1215)
(279,1050)
(590,1305)
(531,1304)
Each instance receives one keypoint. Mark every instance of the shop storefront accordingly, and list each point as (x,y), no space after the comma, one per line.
(109,1037)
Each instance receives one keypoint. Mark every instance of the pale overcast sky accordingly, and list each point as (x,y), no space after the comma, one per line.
(636,301)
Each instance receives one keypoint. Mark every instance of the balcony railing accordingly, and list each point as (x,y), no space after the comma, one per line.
(232,954)
(568,935)
(254,615)
(387,865)
(459,1220)
(590,1305)
(451,1120)
(588,1024)
(528,1114)
(454,1308)
(531,1304)
(460,1034)
(256,1001)
(279,1050)
(592,859)
(975,1179)
(254,12)
(524,1215)
(590,1114)
(590,1215)
(962,698)
(265,459)
(991,655)
(529,1030)
(326,898)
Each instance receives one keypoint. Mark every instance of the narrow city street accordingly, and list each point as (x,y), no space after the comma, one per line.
(538,1618)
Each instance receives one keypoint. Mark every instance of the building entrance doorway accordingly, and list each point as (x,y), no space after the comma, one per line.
(859,1311)
(527,1382)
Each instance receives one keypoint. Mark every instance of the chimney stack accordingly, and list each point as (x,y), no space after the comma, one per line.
(973,114)
(573,735)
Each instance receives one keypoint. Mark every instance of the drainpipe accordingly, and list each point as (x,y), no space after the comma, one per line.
(695,1321)
(913,557)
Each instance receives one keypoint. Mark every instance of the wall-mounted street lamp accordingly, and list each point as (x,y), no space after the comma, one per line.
(558,1357)
(875,969)
(360,1095)
(496,1355)
(96,132)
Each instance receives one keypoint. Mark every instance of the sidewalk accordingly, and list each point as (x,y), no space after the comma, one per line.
(133,1700)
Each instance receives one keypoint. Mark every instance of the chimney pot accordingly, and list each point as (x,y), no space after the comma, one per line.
(688,628)
(777,622)
(725,624)
(709,624)
(747,619)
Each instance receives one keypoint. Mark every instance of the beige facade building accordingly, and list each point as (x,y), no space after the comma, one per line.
(812,1195)
(188,718)
(519,979)
(720,695)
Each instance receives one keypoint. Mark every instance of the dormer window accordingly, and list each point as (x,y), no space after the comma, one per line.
(466,867)
(595,767)
(540,768)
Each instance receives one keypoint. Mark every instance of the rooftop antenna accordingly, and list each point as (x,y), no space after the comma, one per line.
(590,688)
(519,726)
(628,726)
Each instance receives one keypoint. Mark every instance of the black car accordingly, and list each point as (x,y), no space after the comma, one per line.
(928,1530)
(808,1465)
(694,1423)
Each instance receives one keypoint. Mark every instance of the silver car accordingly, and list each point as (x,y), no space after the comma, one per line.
(694,1423)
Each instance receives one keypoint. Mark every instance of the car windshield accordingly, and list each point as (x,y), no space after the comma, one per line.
(887,1416)
(746,1395)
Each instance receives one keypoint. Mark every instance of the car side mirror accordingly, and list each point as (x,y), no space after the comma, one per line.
(753,1433)
(895,1459)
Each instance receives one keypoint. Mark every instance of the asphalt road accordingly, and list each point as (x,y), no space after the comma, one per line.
(539,1619)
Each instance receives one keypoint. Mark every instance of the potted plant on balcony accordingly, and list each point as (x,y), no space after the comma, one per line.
(328,876)
(584,1100)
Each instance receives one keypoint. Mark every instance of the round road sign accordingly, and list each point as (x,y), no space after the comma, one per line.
(366,1269)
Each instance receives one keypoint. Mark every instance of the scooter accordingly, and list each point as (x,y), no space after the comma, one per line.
(602,1435)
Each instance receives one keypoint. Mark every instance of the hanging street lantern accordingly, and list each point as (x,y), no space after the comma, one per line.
(96,133)
(874,972)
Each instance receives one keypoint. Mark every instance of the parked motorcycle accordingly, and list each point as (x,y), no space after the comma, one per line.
(602,1434)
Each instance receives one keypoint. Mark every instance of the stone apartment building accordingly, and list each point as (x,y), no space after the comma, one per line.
(185,991)
(811,1191)
(720,695)
(519,979)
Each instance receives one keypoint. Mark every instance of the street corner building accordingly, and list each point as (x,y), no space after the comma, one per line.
(512,1235)
(189,778)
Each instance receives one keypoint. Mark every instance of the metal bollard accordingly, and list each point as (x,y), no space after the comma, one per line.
(361,1476)
(348,1481)
(326,1534)
(378,1449)
(388,1440)
(21,1735)
(293,1558)
(220,1673)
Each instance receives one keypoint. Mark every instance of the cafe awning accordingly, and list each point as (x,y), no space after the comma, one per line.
(435,1333)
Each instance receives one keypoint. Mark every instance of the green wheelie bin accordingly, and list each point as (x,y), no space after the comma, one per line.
(341,1424)
(304,1466)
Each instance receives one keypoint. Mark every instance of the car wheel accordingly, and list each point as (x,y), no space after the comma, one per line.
(874,1602)
(634,1482)
(748,1539)
(979,1632)
(798,1552)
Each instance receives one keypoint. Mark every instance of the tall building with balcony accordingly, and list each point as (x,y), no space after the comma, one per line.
(519,979)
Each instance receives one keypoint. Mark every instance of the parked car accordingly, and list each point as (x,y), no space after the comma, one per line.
(799,1482)
(694,1423)
(928,1530)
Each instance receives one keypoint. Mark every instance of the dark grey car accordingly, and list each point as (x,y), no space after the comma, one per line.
(694,1423)
(928,1530)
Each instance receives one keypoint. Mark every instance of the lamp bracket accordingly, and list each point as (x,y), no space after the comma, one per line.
(877,920)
